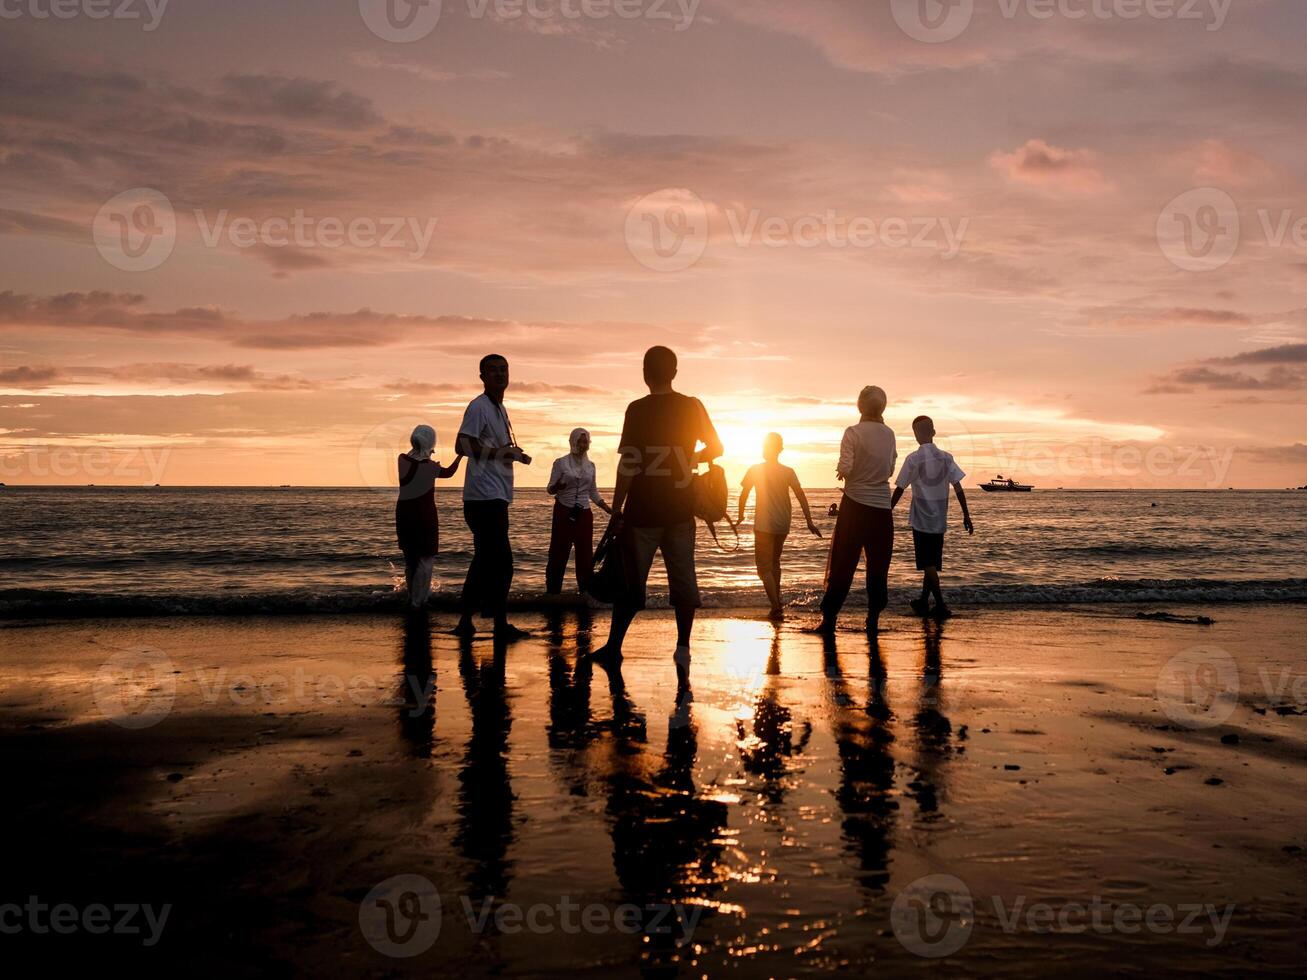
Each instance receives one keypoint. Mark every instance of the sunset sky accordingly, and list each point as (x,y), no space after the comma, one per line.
(991,227)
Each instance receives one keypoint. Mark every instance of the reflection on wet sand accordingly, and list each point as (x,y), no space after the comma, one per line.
(767,749)
(417,687)
(485,796)
(931,725)
(666,837)
(866,788)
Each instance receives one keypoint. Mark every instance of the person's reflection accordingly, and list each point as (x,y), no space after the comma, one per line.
(932,727)
(569,682)
(863,738)
(485,797)
(666,837)
(417,686)
(766,752)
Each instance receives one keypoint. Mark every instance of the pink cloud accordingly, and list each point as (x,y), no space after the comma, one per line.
(1043,165)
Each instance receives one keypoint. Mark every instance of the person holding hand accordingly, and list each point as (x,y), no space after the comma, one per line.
(486,439)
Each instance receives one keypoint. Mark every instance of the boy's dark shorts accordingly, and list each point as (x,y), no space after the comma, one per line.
(929,548)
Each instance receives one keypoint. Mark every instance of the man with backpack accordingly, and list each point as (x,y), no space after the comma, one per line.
(654,503)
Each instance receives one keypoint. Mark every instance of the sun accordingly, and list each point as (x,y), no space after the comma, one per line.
(742,442)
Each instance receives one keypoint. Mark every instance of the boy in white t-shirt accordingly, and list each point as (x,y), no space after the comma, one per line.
(930,471)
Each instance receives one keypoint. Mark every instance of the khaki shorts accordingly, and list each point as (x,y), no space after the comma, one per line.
(677,545)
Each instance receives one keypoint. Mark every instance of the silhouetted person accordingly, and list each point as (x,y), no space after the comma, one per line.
(865,524)
(572,485)
(930,471)
(771,515)
(486,438)
(417,526)
(653,503)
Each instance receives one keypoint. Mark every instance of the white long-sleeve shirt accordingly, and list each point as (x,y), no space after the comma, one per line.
(578,482)
(868,453)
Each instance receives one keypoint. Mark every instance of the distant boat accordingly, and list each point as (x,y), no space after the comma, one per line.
(1000,485)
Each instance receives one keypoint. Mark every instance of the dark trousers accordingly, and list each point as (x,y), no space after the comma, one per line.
(491,572)
(566,534)
(859,530)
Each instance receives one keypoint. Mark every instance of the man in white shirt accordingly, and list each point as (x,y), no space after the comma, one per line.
(486,439)
(930,472)
(864,525)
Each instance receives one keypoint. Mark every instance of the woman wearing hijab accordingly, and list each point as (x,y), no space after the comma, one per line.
(416,524)
(572,484)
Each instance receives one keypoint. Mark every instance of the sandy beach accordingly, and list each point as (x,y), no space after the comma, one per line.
(1092,802)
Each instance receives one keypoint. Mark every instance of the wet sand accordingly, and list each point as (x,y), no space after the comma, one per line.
(1093,803)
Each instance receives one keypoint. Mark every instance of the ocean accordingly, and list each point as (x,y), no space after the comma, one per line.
(103,550)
